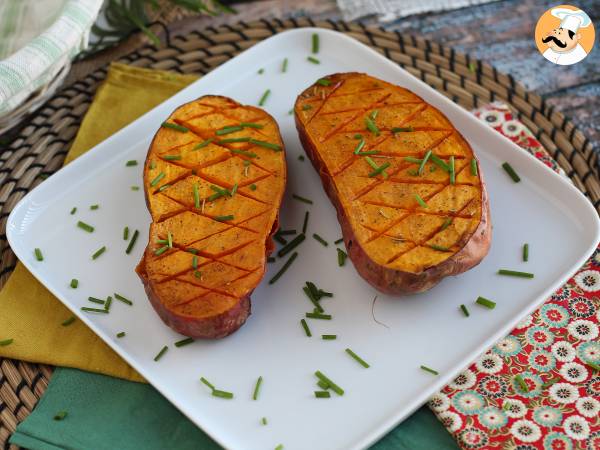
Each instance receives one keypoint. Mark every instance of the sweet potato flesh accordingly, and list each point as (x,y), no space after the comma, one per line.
(386,218)
(219,242)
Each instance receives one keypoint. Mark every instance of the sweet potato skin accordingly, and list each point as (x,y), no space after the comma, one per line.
(473,247)
(225,305)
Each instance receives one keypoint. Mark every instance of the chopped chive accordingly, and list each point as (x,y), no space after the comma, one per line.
(208,383)
(342,255)
(193,251)
(439,248)
(6,342)
(322,394)
(261,71)
(228,130)
(314,291)
(131,162)
(161,250)
(264,97)
(275,147)
(474,167)
(339,241)
(452,171)
(99,252)
(94,207)
(380,170)
(68,322)
(121,334)
(125,233)
(287,232)
(135,188)
(270,259)
(196,195)
(284,65)
(323,293)
(233,140)
(152,165)
(94,310)
(252,187)
(74,210)
(305,326)
(313,60)
(372,163)
(223,218)
(161,241)
(243,152)
(440,163)
(291,245)
(194,262)
(306,107)
(374,114)
(305,223)
(132,242)
(485,302)
(60,415)
(329,337)
(370,124)
(446,223)
(431,371)
(358,359)
(511,172)
(313,299)
(402,129)
(203,144)
(465,311)
(174,126)
(84,226)
(161,353)
(302,199)
(315,43)
(159,177)
(96,300)
(169,239)
(222,394)
(172,157)
(184,342)
(38,254)
(323,385)
(369,153)
(515,273)
(257,388)
(280,239)
(74,283)
(123,299)
(334,387)
(525,252)
(359,146)
(108,303)
(420,201)
(279,447)
(251,125)
(320,239)
(324,82)
(263,420)
(163,187)
(285,267)
(317,315)
(521,382)
(197,274)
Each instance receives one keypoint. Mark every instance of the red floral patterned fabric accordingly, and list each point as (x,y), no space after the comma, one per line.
(539,387)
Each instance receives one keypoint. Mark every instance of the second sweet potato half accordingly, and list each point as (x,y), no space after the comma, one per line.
(406,185)
(214,178)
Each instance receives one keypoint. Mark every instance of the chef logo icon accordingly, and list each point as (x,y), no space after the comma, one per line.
(564,35)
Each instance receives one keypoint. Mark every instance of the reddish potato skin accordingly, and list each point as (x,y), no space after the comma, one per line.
(391,281)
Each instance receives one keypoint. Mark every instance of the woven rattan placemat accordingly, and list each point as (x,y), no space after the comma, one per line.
(40,147)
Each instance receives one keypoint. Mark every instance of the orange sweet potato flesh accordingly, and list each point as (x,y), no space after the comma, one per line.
(396,244)
(201,285)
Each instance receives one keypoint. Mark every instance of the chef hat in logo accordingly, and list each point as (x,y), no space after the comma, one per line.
(572,19)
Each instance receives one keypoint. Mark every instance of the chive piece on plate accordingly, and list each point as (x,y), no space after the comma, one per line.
(315,43)
(313,299)
(68,322)
(485,302)
(85,227)
(228,130)
(156,180)
(285,267)
(324,82)
(358,359)
(244,153)
(302,199)
(313,60)
(60,415)
(370,124)
(279,447)
(446,223)
(305,223)
(270,145)
(264,97)
(323,385)
(287,232)
(161,250)
(431,371)
(525,252)
(339,241)
(465,311)
(452,171)
(439,248)
(161,353)
(208,383)
(320,239)
(306,108)
(420,201)
(172,157)
(224,218)
(511,172)
(121,334)
(334,387)
(291,245)
(94,310)
(169,239)
(342,255)
(123,299)
(252,187)
(107,303)
(359,146)
(194,262)
(305,326)
(184,342)
(135,188)
(474,170)
(413,160)
(152,165)
(74,210)
(233,140)
(270,259)
(521,382)
(222,394)
(515,273)
(203,144)
(74,283)
(322,394)
(380,170)
(300,157)
(263,420)
(131,163)
(284,65)
(261,71)
(132,242)
(440,163)
(402,129)
(125,233)
(96,300)
(38,254)
(423,162)
(94,207)
(98,252)
(317,315)
(257,388)
(6,342)
(174,126)
(329,337)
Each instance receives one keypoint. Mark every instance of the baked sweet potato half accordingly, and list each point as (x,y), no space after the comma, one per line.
(214,178)
(407,187)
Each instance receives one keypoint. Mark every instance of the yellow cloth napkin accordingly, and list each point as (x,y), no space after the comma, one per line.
(31,315)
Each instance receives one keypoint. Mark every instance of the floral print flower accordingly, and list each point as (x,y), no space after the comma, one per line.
(573,372)
(492,118)
(557,441)
(541,360)
(582,329)
(514,408)
(465,380)
(450,420)
(563,393)
(576,427)
(539,336)
(525,430)
(512,128)
(492,386)
(489,363)
(439,402)
(589,352)
(588,407)
(472,438)
(588,280)
(533,382)
(581,307)
(468,402)
(554,315)
(547,416)
(563,351)
(525,322)
(509,346)
(594,440)
(562,294)
(592,387)
(492,418)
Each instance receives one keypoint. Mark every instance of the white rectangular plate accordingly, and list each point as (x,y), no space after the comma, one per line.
(544,210)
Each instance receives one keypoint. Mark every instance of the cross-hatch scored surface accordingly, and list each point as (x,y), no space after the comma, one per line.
(394,230)
(228,234)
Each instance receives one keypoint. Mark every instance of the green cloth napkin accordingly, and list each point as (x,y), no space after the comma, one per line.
(108,413)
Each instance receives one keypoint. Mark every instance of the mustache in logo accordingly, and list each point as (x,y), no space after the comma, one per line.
(555,40)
